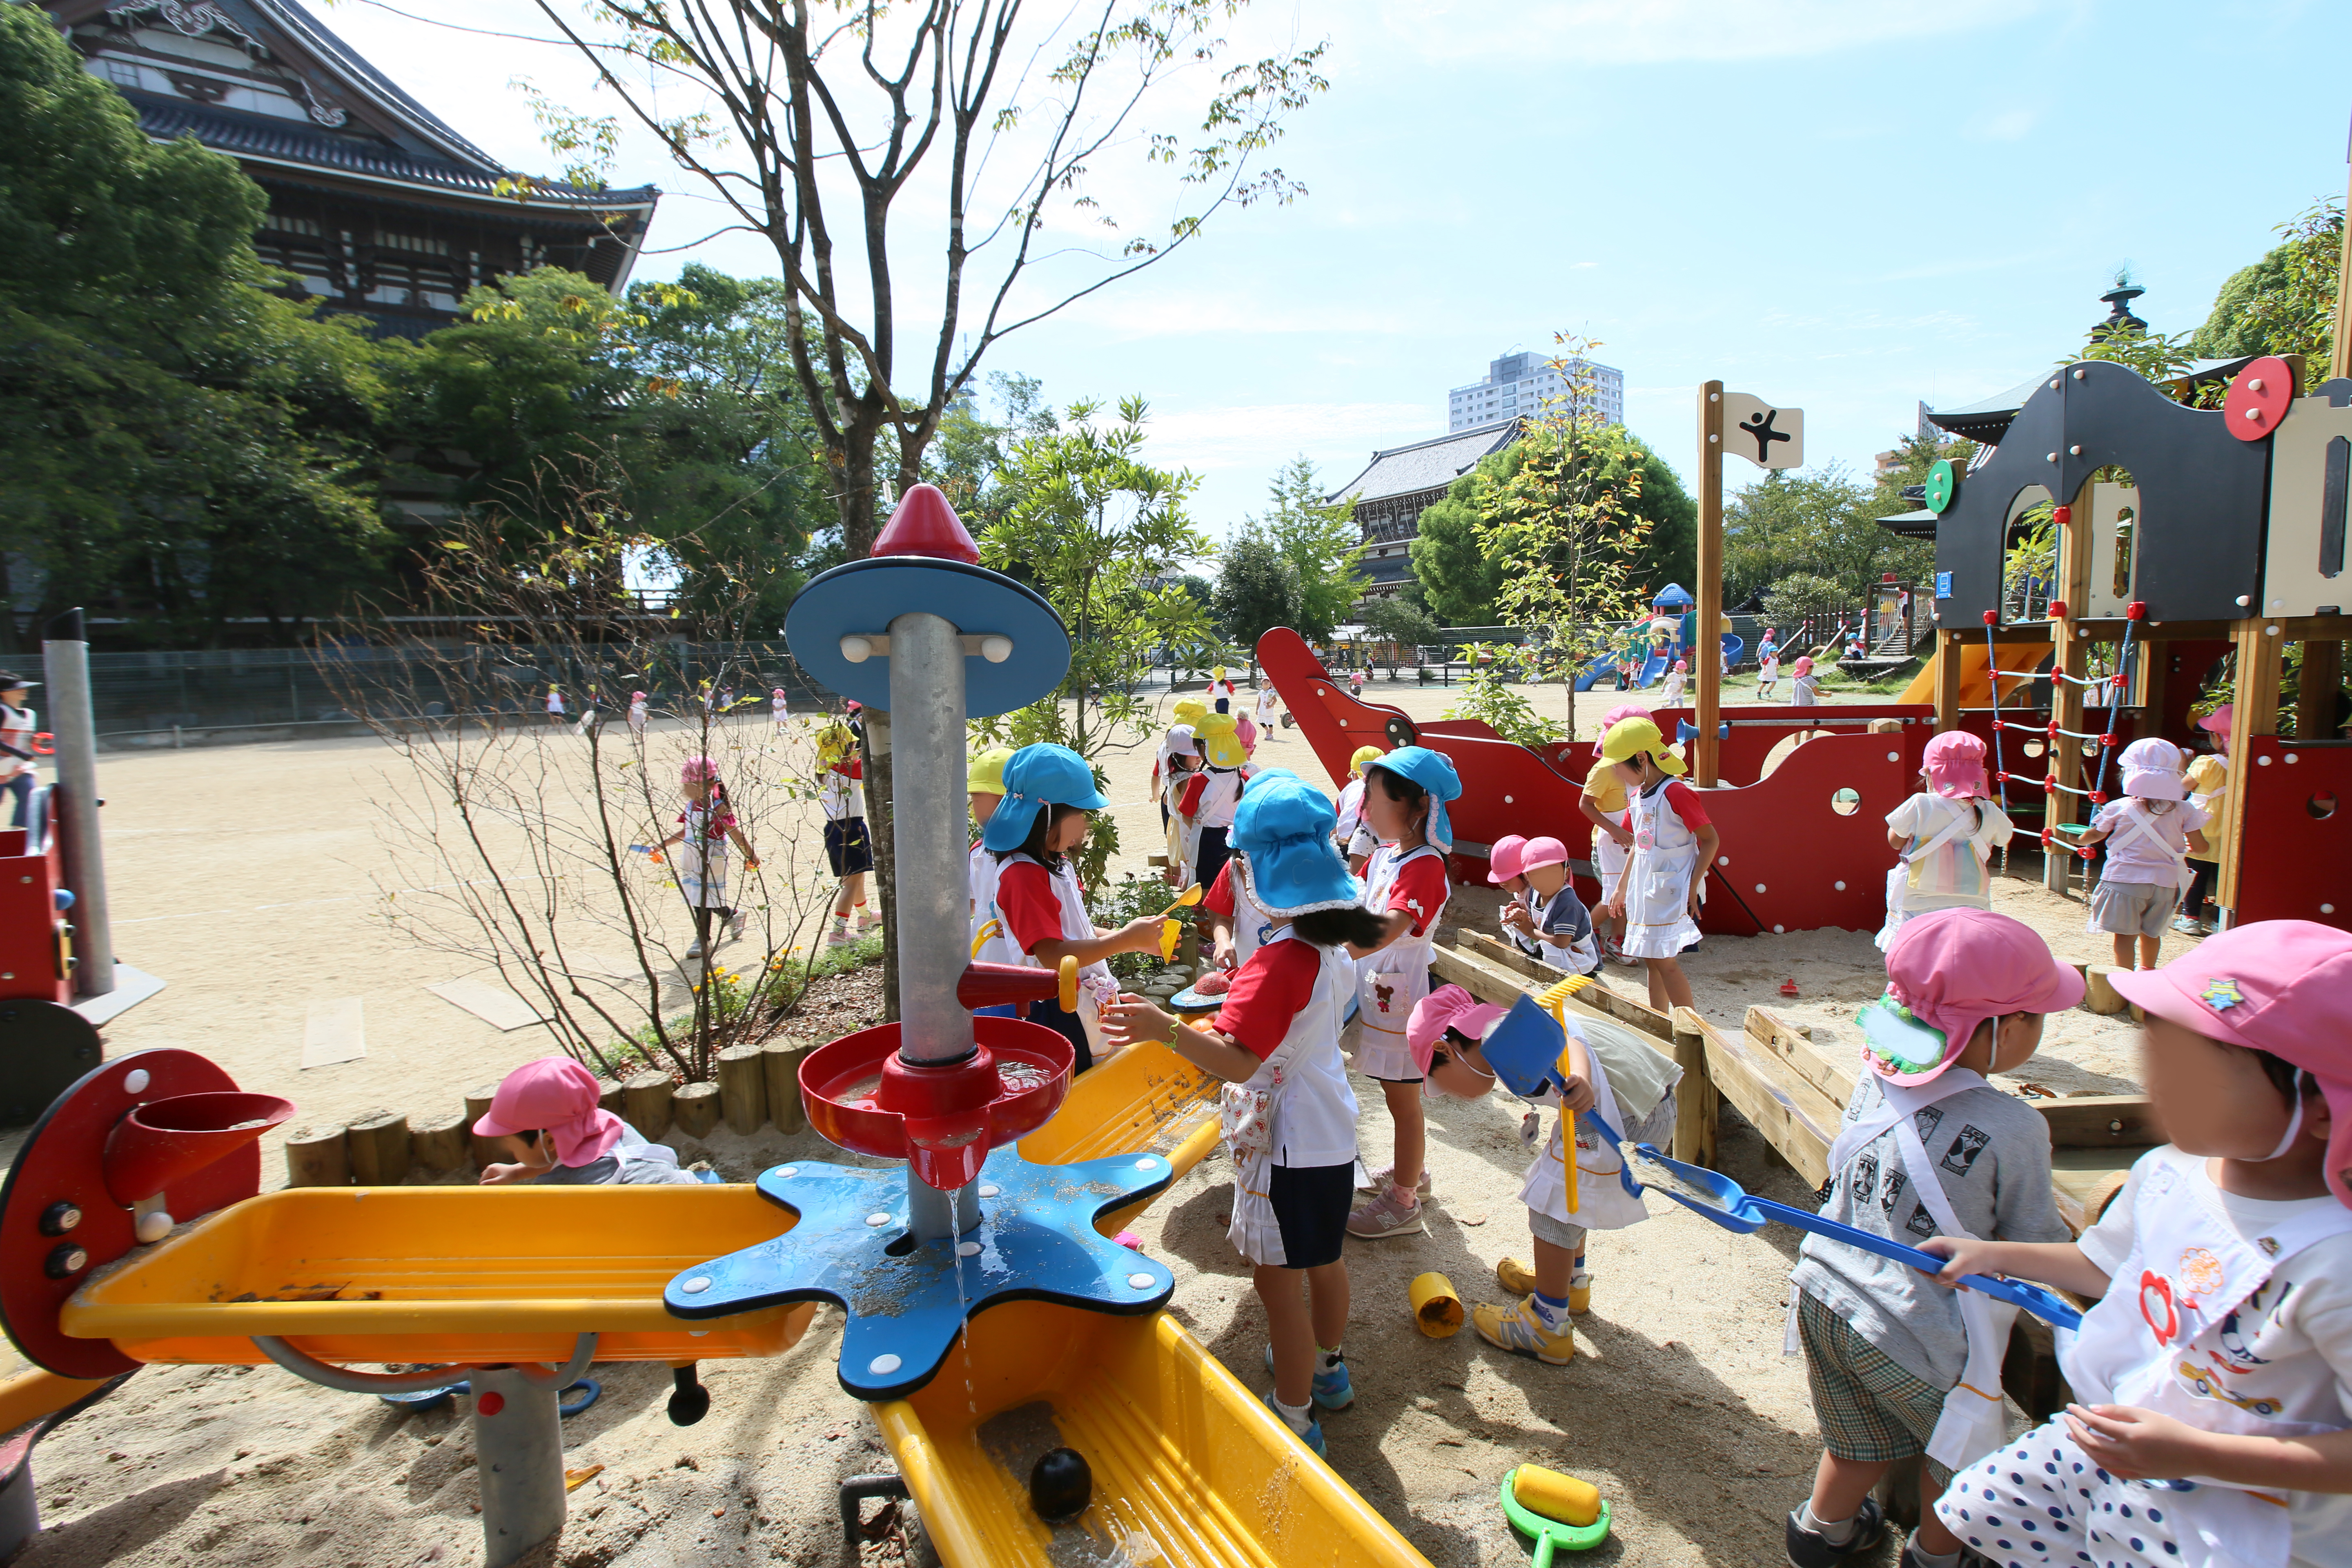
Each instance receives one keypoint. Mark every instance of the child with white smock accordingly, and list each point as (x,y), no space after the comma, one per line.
(1657,896)
(1603,805)
(1405,885)
(983,791)
(1213,791)
(2148,833)
(1288,1116)
(2211,1425)
(1183,834)
(1944,837)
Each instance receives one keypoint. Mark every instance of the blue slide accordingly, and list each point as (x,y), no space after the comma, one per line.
(1733,648)
(1606,664)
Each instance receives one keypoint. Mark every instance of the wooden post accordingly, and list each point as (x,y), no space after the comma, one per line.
(439,1143)
(1695,1107)
(1948,680)
(379,1150)
(2071,656)
(743,1089)
(2339,359)
(782,1059)
(2315,703)
(649,1102)
(611,1097)
(1706,753)
(478,1105)
(696,1107)
(315,1157)
(2255,702)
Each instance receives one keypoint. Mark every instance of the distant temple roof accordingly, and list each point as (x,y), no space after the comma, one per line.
(1987,419)
(1427,465)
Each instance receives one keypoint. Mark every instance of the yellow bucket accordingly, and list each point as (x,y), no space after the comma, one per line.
(1436,1306)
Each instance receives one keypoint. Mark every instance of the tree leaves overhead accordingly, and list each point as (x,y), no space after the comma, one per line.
(1296,566)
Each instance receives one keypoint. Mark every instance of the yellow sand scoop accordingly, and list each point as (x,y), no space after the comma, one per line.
(1169,930)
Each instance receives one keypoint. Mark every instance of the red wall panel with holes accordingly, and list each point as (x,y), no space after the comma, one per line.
(33,945)
(2296,855)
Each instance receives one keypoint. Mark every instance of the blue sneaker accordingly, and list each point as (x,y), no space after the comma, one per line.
(1312,1436)
(1331,1390)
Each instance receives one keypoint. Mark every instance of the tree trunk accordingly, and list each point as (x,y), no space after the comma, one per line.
(886,859)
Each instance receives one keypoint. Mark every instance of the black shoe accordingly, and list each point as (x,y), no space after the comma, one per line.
(1812,1548)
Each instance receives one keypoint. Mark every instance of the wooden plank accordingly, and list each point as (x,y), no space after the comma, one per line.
(1696,1100)
(1832,1078)
(1747,1079)
(2256,703)
(1597,996)
(2126,1121)
(1490,981)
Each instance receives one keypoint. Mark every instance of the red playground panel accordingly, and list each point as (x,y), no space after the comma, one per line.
(34,943)
(1803,849)
(2295,847)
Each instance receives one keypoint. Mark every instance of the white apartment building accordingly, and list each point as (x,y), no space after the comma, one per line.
(1516,386)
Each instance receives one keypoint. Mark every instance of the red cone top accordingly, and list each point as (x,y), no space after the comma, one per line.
(925,524)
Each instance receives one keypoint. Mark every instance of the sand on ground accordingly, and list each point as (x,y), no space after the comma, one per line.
(251,879)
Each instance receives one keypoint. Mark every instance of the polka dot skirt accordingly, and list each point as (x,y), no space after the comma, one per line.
(2043,1501)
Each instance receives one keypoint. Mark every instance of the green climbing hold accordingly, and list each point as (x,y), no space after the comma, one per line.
(1941,483)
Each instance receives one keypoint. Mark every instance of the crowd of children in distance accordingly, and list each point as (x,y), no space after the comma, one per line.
(2212,1373)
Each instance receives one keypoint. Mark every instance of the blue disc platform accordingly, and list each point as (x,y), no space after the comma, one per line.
(906,1299)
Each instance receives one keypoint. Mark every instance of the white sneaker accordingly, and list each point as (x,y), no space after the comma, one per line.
(735,925)
(694,951)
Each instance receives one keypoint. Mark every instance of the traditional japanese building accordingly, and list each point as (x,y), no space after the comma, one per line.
(376,206)
(1401,483)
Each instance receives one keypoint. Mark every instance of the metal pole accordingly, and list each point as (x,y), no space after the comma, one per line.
(518,1456)
(1708,751)
(65,657)
(930,853)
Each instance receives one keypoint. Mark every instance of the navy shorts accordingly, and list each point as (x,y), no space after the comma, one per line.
(845,847)
(1310,1208)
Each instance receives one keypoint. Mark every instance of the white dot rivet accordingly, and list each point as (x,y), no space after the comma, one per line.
(967,1249)
(697,1333)
(1149,1163)
(2327,909)
(1723,859)
(2261,761)
(697,1286)
(2270,631)
(135,1081)
(1840,886)
(1507,800)
(989,1189)
(2254,413)
(2243,600)
(877,1219)
(788,1172)
(1760,887)
(2053,380)
(2292,758)
(1778,930)
(2079,376)
(1893,756)
(1138,1281)
(2050,457)
(2253,383)
(2075,451)
(883,1366)
(153,1226)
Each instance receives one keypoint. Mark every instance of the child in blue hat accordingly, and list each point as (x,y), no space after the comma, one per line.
(1405,886)
(1049,802)
(1289,1118)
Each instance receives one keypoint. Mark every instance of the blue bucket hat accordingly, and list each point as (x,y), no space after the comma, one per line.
(1433,771)
(1035,778)
(1284,826)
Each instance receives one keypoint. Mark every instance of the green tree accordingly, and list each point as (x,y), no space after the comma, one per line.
(1824,523)
(175,441)
(1399,620)
(2285,302)
(1257,589)
(1098,532)
(1450,566)
(1321,544)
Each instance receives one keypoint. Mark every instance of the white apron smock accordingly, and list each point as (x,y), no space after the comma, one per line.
(2151,1341)
(1391,982)
(1184,837)
(1608,860)
(1973,1422)
(999,947)
(637,717)
(1253,1116)
(1601,1200)
(1658,923)
(1095,985)
(1253,927)
(701,859)
(1898,876)
(2139,826)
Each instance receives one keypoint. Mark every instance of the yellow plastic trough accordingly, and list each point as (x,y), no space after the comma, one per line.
(1180,1451)
(439,1274)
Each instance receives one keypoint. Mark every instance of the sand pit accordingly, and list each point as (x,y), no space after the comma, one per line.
(249,877)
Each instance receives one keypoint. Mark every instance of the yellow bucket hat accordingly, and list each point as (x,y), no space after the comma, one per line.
(984,774)
(1218,742)
(1190,709)
(1630,738)
(834,744)
(1363,754)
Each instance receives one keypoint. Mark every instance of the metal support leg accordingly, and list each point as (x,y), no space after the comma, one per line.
(519,1454)
(934,1216)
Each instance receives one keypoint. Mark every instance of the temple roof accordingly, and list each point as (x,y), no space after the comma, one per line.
(1427,465)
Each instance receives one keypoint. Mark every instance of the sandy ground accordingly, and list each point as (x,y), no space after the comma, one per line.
(250,879)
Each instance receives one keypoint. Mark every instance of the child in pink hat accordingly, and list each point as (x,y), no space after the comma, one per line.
(1677,682)
(545,1116)
(1504,871)
(1603,805)
(2209,784)
(2213,1421)
(2149,833)
(1898,1365)
(1444,1032)
(1553,924)
(1944,837)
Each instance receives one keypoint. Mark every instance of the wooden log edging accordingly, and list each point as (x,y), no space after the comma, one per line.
(753,1087)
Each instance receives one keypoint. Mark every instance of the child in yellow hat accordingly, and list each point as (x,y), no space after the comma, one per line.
(1658,893)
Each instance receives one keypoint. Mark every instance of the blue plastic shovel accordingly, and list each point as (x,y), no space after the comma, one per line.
(1523,1049)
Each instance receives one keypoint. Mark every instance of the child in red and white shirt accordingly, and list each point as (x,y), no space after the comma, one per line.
(1658,893)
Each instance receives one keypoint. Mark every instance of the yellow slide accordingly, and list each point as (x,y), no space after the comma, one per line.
(1976,691)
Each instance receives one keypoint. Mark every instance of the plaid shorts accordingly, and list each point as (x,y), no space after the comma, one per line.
(1871,1410)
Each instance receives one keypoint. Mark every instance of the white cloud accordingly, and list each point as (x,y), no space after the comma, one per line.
(1263,434)
(2009,125)
(1657,32)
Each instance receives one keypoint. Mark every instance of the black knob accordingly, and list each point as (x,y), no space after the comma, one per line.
(1060,1486)
(59,1218)
(690,1402)
(66,1260)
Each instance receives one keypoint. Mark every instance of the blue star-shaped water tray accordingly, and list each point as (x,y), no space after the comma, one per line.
(907,1301)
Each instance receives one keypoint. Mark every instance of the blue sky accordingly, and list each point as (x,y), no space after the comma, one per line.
(1846,205)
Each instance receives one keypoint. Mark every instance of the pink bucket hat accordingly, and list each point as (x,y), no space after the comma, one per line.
(1447,1007)
(2218,722)
(1543,852)
(2151,769)
(2281,986)
(697,770)
(557,1095)
(1804,665)
(1503,859)
(1949,971)
(1954,765)
(1611,720)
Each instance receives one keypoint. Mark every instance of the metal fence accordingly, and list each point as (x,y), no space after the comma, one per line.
(158,697)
